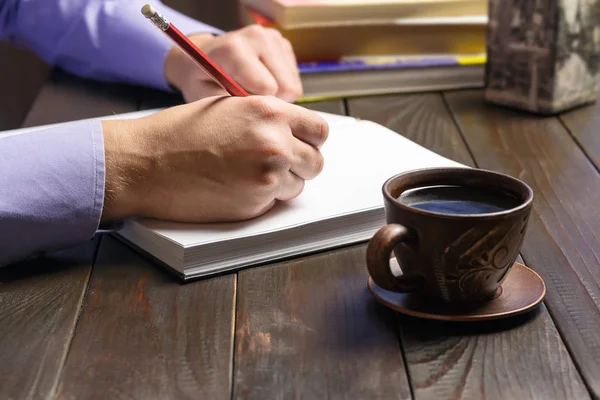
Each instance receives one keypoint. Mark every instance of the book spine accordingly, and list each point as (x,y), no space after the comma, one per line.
(374,63)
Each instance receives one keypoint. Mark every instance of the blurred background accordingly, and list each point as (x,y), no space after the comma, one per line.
(23,73)
(538,55)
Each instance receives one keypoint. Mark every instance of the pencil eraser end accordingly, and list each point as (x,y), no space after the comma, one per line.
(148,11)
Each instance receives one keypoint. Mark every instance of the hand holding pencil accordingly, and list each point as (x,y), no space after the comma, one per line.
(252,60)
(220,158)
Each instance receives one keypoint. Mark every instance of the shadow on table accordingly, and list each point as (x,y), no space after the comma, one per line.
(362,324)
(432,328)
(51,265)
(381,315)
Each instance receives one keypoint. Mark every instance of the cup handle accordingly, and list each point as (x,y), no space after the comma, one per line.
(379,251)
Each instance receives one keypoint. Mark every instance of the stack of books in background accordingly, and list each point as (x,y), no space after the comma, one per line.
(351,48)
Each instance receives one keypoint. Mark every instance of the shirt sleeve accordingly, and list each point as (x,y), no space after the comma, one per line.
(51,188)
(107,40)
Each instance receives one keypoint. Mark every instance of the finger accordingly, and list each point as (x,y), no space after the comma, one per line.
(252,74)
(307,162)
(288,78)
(291,186)
(268,43)
(288,51)
(306,125)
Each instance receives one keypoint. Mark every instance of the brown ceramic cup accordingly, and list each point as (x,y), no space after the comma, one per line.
(449,256)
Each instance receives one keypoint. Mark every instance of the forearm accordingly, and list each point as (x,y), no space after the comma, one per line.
(107,40)
(51,189)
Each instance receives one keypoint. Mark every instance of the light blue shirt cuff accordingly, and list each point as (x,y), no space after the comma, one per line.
(53,189)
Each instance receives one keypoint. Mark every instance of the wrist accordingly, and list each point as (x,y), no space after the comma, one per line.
(126,166)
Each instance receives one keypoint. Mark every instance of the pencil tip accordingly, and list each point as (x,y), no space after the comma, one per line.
(148,11)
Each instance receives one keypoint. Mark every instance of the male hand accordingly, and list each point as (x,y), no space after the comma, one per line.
(258,59)
(217,159)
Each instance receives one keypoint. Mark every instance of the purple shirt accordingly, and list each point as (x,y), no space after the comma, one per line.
(52,179)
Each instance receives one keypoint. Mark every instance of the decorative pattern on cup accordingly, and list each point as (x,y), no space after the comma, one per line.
(478,261)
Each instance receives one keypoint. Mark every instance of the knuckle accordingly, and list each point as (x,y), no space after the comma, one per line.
(255,31)
(272,149)
(272,154)
(255,102)
(268,108)
(269,181)
(274,32)
(234,43)
(275,159)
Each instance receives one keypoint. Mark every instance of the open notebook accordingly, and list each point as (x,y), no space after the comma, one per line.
(343,205)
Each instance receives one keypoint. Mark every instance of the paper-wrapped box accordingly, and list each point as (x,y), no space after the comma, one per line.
(543,55)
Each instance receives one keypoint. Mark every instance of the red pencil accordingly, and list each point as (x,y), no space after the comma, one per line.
(194,52)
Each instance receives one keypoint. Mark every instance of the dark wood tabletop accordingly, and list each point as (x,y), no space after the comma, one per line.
(102,321)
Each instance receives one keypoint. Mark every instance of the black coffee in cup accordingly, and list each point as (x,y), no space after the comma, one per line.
(458,200)
(455,232)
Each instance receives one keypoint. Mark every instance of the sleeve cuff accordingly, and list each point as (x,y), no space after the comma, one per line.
(110,227)
(57,188)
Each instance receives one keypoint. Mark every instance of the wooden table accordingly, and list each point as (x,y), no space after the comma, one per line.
(100,321)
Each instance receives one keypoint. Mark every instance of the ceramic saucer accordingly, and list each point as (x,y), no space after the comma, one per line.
(522,290)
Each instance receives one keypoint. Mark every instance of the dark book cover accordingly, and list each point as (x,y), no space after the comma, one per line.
(543,55)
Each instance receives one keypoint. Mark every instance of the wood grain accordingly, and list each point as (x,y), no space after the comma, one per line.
(520,358)
(422,118)
(142,334)
(39,305)
(562,239)
(310,329)
(584,125)
(67,98)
